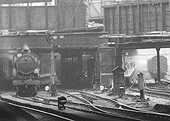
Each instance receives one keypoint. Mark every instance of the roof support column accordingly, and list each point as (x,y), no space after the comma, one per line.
(118,57)
(158,63)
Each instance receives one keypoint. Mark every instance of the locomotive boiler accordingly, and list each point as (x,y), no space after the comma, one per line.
(152,66)
(26,73)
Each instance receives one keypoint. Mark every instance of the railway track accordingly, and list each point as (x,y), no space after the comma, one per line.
(12,113)
(163,86)
(89,104)
(107,102)
(161,89)
(49,108)
(39,113)
(158,90)
(86,107)
(127,111)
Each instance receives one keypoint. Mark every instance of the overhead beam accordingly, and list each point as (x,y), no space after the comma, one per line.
(143,45)
(62,39)
(22,1)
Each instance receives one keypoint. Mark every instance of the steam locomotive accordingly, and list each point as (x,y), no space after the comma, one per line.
(26,73)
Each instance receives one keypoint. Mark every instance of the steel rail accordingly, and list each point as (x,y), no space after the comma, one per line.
(105,110)
(79,109)
(39,111)
(144,115)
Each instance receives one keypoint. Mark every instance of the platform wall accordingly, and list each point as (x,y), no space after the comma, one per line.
(137,17)
(43,17)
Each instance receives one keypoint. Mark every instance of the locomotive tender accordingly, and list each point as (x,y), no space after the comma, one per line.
(26,73)
(152,66)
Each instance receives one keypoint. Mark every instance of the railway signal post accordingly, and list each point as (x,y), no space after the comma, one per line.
(53,86)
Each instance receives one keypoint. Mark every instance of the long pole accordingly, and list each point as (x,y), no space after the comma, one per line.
(53,88)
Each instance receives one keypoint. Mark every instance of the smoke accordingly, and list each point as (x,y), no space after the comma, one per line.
(25,47)
(7,56)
